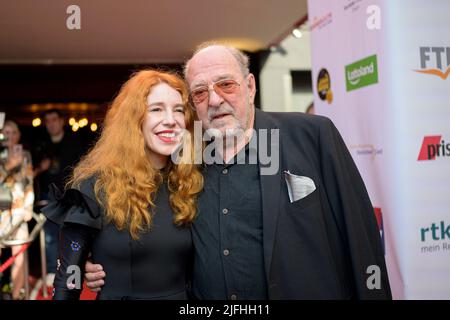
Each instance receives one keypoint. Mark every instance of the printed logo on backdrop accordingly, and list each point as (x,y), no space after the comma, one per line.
(373,12)
(361,73)
(322,21)
(366,150)
(324,86)
(379,217)
(434,61)
(433,147)
(435,237)
(353,5)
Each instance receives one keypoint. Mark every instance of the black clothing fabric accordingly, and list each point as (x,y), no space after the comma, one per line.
(229,260)
(152,267)
(318,247)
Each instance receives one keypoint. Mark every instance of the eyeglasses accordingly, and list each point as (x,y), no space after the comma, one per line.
(220,87)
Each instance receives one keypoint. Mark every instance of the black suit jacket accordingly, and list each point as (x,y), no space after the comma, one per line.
(319,247)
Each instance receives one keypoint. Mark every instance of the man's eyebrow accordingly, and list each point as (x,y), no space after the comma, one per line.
(223,77)
(202,83)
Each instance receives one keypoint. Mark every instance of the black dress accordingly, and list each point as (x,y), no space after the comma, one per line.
(153,267)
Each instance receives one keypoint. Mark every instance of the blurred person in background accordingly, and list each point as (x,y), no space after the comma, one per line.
(310,109)
(16,176)
(57,154)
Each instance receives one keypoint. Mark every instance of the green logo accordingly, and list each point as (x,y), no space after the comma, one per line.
(435,232)
(361,73)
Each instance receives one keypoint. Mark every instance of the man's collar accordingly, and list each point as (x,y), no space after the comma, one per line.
(263,121)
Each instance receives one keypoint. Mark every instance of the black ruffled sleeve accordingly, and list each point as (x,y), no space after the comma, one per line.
(80,218)
(75,244)
(74,206)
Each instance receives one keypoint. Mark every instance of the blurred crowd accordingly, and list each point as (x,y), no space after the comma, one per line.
(27,168)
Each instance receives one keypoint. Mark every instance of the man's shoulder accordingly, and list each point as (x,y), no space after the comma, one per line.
(296,119)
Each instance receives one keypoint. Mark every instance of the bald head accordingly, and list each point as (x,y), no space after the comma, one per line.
(241,59)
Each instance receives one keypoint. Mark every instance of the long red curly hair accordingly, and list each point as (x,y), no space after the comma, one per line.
(126,182)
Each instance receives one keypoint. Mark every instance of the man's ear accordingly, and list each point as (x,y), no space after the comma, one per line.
(251,86)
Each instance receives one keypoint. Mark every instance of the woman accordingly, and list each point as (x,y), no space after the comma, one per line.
(16,179)
(128,203)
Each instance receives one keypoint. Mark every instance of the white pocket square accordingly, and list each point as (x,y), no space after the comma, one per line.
(298,186)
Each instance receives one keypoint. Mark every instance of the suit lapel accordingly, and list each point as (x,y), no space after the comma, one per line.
(270,193)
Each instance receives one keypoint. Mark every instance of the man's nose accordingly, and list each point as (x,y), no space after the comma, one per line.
(215,99)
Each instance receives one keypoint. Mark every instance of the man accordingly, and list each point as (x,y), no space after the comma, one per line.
(255,236)
(57,153)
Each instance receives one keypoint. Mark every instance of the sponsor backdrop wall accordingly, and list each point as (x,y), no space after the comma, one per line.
(381,73)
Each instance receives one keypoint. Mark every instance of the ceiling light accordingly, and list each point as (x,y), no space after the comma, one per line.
(36,122)
(297,33)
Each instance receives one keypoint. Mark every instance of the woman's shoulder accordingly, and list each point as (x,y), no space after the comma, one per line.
(75,205)
(87,186)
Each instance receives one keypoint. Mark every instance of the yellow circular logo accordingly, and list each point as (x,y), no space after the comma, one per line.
(324,86)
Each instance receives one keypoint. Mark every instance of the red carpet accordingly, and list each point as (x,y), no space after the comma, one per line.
(86,294)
